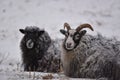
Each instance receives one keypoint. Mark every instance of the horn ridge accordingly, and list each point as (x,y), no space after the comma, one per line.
(84,26)
(66,25)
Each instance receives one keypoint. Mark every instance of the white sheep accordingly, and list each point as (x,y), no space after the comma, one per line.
(86,56)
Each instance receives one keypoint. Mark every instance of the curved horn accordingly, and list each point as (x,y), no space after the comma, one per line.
(67,26)
(84,26)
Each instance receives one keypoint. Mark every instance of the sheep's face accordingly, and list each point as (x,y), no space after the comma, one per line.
(31,35)
(72,38)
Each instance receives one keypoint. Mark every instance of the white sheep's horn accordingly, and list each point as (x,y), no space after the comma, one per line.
(67,26)
(84,26)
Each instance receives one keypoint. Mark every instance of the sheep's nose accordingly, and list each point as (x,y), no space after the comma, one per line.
(69,45)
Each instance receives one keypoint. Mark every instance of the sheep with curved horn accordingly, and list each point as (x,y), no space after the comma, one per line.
(87,56)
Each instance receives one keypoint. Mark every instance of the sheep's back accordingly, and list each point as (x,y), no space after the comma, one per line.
(100,56)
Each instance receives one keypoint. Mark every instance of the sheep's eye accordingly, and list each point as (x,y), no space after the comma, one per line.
(77,36)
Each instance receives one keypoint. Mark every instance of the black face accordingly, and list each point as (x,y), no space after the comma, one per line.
(31,36)
(32,33)
(77,37)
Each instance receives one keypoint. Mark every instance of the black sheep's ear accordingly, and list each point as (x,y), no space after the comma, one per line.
(22,31)
(41,32)
(64,32)
(82,33)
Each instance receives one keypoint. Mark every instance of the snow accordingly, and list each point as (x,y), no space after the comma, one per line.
(50,15)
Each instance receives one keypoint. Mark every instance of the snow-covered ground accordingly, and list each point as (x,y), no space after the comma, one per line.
(50,15)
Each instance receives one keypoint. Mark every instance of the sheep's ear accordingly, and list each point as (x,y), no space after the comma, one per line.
(41,32)
(83,32)
(22,31)
(64,32)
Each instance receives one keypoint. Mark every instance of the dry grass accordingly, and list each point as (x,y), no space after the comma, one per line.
(49,76)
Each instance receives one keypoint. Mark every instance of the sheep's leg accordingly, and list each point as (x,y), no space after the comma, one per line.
(34,72)
(29,72)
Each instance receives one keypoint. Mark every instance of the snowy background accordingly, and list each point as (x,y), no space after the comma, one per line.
(50,15)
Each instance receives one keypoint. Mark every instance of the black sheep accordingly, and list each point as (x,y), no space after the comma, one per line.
(33,45)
